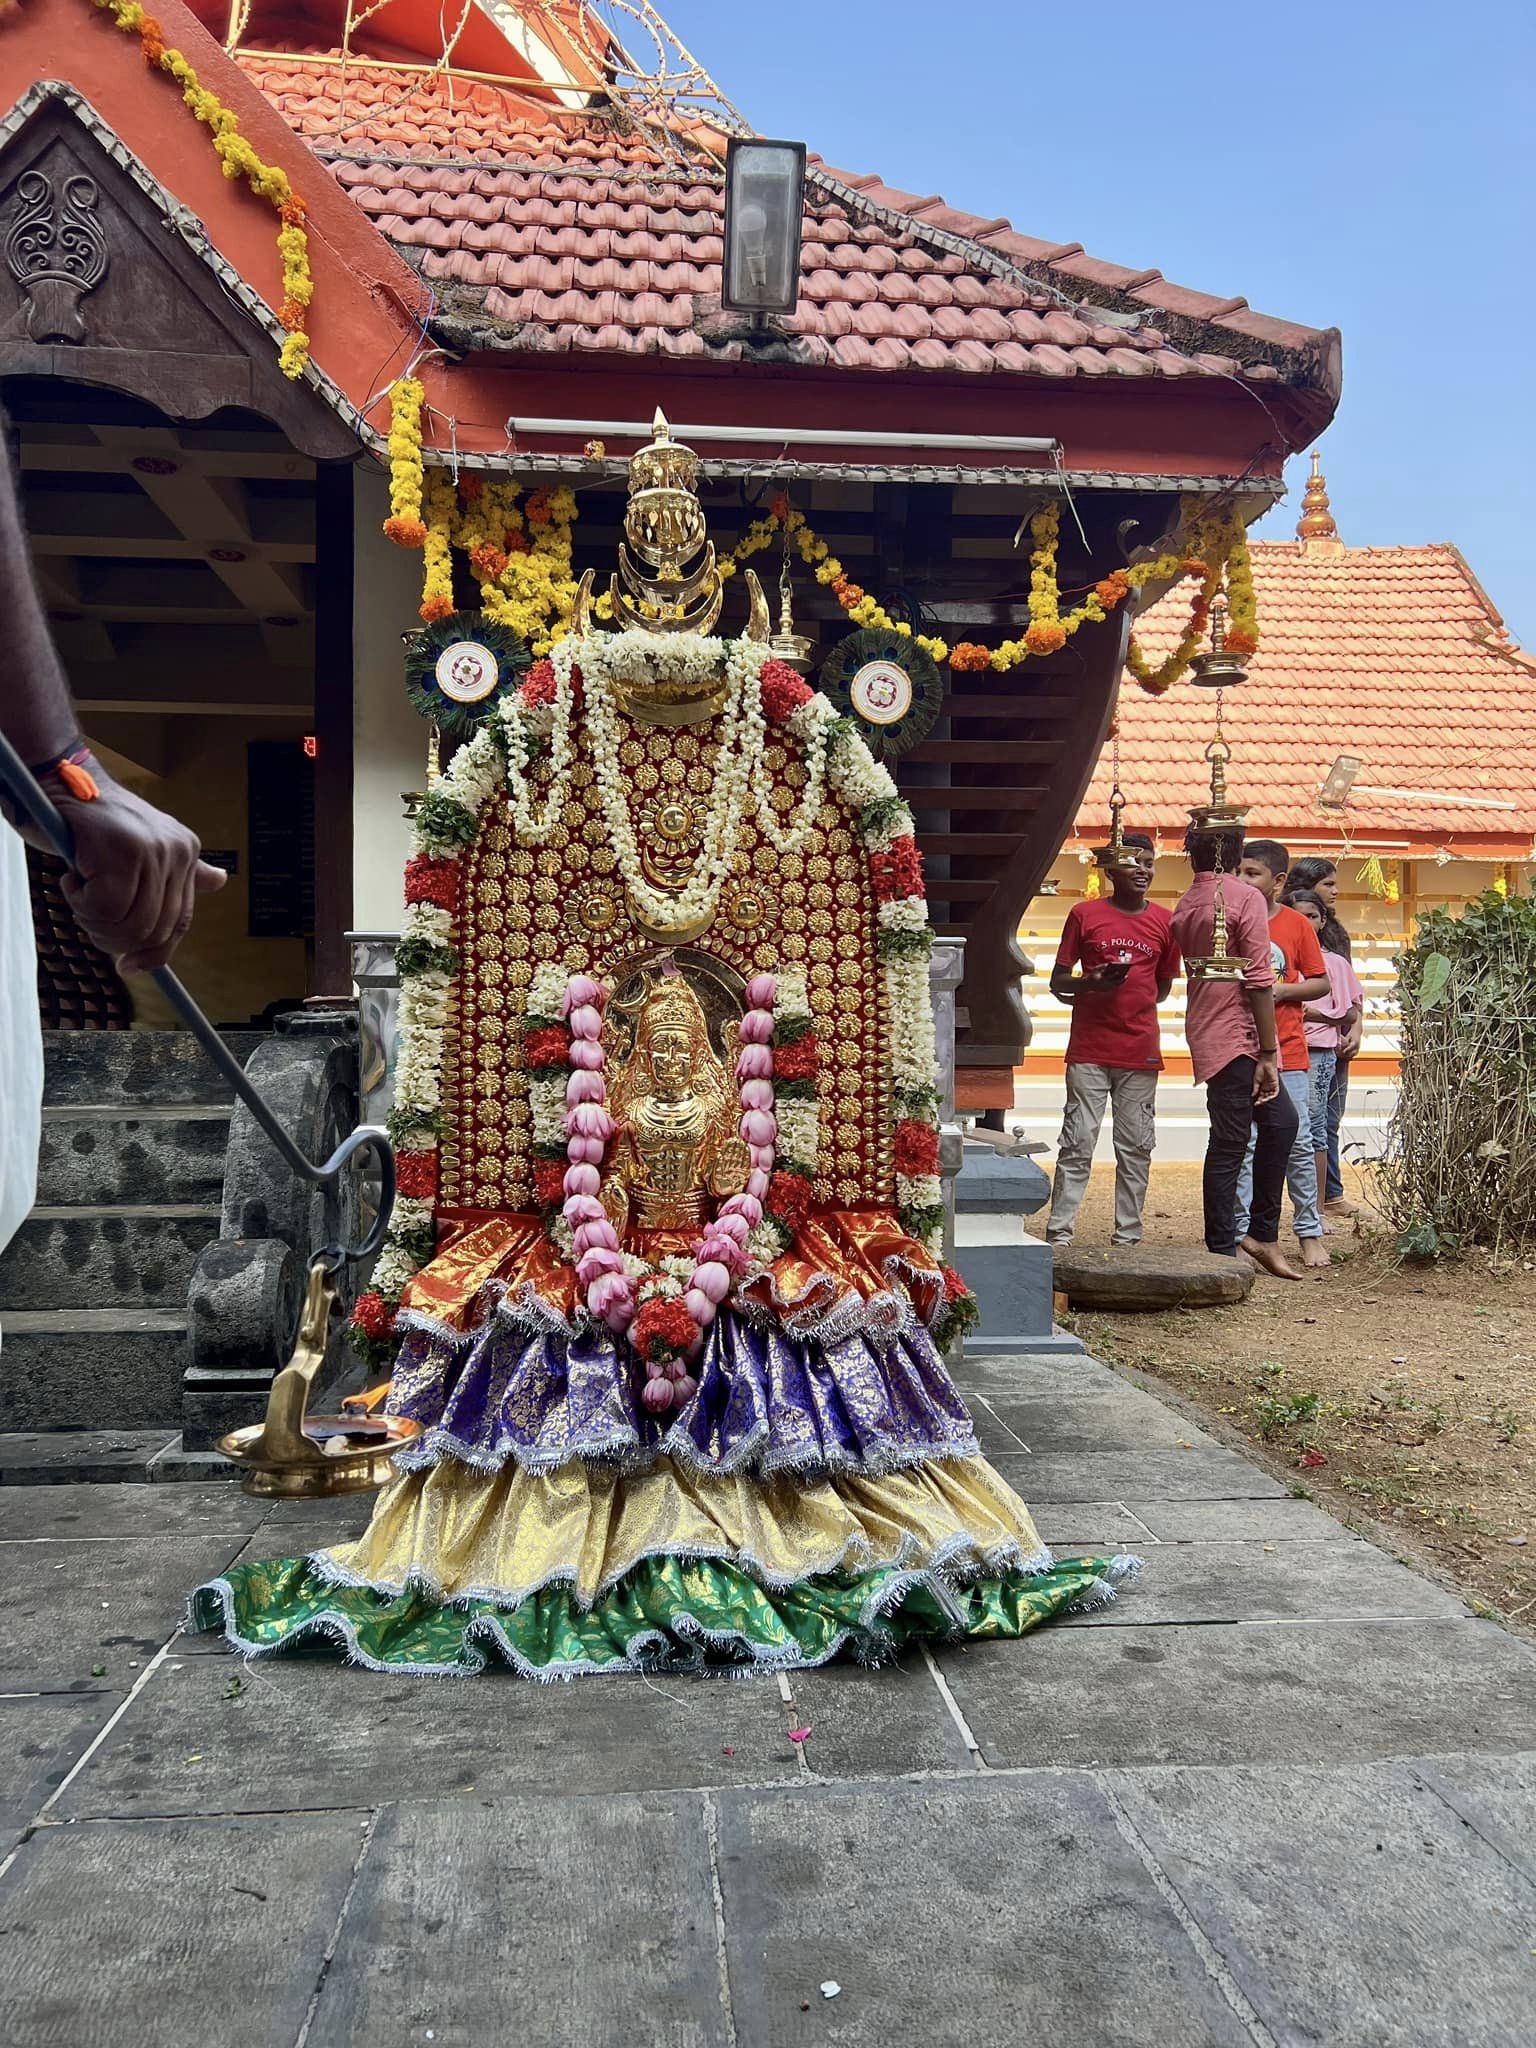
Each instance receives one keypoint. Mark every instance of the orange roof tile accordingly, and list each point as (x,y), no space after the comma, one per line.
(1391,654)
(544,229)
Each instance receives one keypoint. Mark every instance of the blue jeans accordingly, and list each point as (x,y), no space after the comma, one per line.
(1324,1061)
(1338,1101)
(1300,1170)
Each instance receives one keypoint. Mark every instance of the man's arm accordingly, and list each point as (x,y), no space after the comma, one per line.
(1312,990)
(1266,1073)
(136,872)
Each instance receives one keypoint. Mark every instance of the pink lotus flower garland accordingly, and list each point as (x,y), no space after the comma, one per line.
(649,1313)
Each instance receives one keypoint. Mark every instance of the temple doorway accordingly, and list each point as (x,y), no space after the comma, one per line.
(176,563)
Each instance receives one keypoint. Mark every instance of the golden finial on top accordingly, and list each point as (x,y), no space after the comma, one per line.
(1316,529)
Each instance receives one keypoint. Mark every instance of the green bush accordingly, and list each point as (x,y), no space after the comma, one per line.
(1459,1164)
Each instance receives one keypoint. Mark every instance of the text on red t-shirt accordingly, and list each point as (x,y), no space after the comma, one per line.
(1118,1027)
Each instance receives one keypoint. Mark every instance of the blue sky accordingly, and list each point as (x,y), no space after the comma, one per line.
(1363,166)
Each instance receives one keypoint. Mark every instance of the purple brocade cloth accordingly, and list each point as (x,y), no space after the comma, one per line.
(766,1402)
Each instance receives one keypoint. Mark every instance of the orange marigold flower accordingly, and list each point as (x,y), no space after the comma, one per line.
(1193,566)
(487,561)
(435,608)
(404,532)
(516,542)
(778,504)
(1240,642)
(538,509)
(968,655)
(1112,587)
(293,213)
(1044,636)
(470,486)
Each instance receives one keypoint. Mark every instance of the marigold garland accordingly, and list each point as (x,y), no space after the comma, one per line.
(405,525)
(239,160)
(437,549)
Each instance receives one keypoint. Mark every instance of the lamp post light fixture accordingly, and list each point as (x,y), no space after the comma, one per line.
(764,198)
(1338,783)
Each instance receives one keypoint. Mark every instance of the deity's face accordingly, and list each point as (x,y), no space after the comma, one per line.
(670,1060)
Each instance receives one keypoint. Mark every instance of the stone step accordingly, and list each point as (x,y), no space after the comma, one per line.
(132,1068)
(91,1368)
(97,1154)
(122,1256)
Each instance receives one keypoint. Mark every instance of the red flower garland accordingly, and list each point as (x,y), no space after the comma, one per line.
(789,1198)
(432,881)
(372,1314)
(783,691)
(549,1182)
(916,1148)
(416,1175)
(898,872)
(663,1329)
(797,1061)
(549,1046)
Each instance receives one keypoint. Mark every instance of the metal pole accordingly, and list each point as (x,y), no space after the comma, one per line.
(804,437)
(29,795)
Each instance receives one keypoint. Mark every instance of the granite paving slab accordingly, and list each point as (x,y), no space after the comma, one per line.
(71,1604)
(302,1732)
(1320,1693)
(1091,1525)
(173,1933)
(973,1911)
(45,1457)
(109,1511)
(42,1736)
(1045,1376)
(1262,1582)
(876,1723)
(551,1923)
(1123,1421)
(1236,1521)
(1156,1474)
(1349,1905)
(1499,1800)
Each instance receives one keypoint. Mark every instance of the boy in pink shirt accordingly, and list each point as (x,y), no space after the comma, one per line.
(1230,1029)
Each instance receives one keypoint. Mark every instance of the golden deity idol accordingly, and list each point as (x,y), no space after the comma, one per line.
(676,1117)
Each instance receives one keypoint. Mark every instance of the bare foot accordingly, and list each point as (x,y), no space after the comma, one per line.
(1314,1254)
(1270,1258)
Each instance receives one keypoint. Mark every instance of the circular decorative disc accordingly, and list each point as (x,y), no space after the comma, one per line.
(888,684)
(467,671)
(458,670)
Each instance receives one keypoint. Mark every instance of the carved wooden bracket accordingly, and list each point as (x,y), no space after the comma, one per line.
(56,251)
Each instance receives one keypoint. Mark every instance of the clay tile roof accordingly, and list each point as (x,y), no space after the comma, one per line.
(466,175)
(1394,655)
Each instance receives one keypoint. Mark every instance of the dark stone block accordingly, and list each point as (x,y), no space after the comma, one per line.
(876,1723)
(549,1922)
(95,1158)
(976,1910)
(93,1369)
(1348,1905)
(990,1184)
(107,1510)
(1320,1693)
(134,1067)
(1129,1277)
(174,1933)
(44,1736)
(81,1457)
(302,1731)
(67,1606)
(1155,1474)
(105,1258)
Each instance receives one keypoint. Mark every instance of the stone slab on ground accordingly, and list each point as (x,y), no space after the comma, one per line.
(1349,1906)
(80,1456)
(1034,1375)
(552,1924)
(1008,1911)
(1123,1421)
(171,1933)
(1158,1474)
(1259,1582)
(68,1606)
(104,1512)
(1500,1804)
(1320,1692)
(1124,1278)
(218,1735)
(1238,1521)
(42,1737)
(875,1723)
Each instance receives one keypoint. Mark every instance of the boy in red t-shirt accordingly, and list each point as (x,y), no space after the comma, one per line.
(1128,957)
(1301,977)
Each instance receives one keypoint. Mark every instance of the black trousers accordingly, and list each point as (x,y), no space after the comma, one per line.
(1230,1105)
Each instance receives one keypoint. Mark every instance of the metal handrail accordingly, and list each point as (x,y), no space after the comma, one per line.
(29,795)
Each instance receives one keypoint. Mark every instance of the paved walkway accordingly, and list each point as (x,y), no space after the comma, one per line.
(1283,1792)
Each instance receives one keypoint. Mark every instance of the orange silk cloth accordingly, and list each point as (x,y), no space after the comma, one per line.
(836,1252)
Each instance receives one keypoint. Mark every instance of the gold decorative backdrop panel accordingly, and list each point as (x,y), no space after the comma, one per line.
(565,902)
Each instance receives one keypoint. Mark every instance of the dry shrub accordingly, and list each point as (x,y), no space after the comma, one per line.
(1459,1164)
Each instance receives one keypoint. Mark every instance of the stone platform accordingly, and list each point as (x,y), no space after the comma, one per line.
(1125,1278)
(1283,1791)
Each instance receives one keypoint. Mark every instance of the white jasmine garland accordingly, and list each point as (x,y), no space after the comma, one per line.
(905,914)
(799,1124)
(764,1244)
(476,771)
(546,1105)
(545,991)
(427,921)
(909,1023)
(918,1191)
(793,998)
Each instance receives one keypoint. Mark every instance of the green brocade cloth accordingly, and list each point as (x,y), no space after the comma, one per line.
(669,1614)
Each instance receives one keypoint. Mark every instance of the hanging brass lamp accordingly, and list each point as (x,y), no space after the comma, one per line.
(1216,669)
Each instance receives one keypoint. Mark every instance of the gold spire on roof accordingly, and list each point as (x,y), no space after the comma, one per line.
(1316,529)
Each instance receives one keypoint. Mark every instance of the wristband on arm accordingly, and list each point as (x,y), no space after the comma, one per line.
(72,769)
